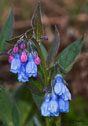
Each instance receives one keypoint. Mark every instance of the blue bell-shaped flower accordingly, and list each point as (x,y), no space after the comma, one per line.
(15,64)
(53,107)
(59,87)
(31,67)
(44,106)
(22,76)
(63,105)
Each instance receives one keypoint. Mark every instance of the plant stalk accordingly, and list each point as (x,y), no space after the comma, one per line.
(42,61)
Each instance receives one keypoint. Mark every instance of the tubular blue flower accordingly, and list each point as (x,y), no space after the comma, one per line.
(59,87)
(53,106)
(31,67)
(63,105)
(15,64)
(44,106)
(22,76)
(66,95)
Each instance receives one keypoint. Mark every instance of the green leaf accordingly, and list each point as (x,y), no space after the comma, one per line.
(34,88)
(23,98)
(43,62)
(8,110)
(5,106)
(15,115)
(6,31)
(68,55)
(37,24)
(38,99)
(54,49)
(44,51)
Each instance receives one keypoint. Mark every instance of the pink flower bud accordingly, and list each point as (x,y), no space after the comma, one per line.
(37,60)
(22,46)
(24,57)
(10,59)
(15,49)
(18,42)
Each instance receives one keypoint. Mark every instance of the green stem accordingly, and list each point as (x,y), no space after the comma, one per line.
(47,121)
(42,61)
(58,121)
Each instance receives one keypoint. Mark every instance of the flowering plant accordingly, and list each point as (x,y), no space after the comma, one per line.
(41,72)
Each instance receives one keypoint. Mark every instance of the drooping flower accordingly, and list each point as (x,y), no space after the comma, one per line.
(60,96)
(15,64)
(31,67)
(44,106)
(23,62)
(63,105)
(59,87)
(53,106)
(22,76)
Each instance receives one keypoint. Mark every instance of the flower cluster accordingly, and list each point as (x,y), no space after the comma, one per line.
(23,62)
(57,101)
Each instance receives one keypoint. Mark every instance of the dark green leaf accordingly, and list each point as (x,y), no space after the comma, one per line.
(68,55)
(5,106)
(34,88)
(6,31)
(44,51)
(37,24)
(38,99)
(23,98)
(15,115)
(53,50)
(8,108)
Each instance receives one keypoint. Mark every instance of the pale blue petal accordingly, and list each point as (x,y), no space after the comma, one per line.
(44,109)
(53,107)
(15,65)
(63,105)
(31,69)
(66,95)
(58,89)
(22,76)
